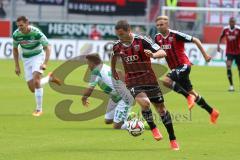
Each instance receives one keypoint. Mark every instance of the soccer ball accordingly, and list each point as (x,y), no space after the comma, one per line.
(135,127)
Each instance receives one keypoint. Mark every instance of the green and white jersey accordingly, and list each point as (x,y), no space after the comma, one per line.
(102,76)
(31,43)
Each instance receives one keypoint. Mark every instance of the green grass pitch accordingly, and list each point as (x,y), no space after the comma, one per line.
(24,137)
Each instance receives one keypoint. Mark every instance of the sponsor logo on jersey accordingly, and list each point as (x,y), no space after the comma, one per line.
(231,37)
(170,39)
(131,58)
(136,48)
(167,46)
(24,42)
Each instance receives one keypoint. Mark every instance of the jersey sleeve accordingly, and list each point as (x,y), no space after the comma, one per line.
(149,44)
(183,37)
(94,78)
(15,43)
(43,40)
(115,50)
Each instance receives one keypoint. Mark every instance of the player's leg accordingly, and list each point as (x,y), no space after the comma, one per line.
(38,91)
(156,98)
(121,115)
(204,105)
(110,111)
(168,82)
(43,81)
(167,121)
(36,62)
(229,71)
(173,81)
(31,85)
(27,66)
(144,102)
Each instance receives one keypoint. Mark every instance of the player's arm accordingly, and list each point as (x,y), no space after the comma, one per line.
(87,93)
(94,78)
(159,54)
(16,56)
(47,51)
(152,49)
(220,40)
(113,63)
(200,47)
(187,38)
(16,60)
(46,48)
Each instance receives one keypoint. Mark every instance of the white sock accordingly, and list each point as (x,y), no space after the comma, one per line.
(124,126)
(44,80)
(39,98)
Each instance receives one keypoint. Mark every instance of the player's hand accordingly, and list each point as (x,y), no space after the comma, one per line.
(85,101)
(17,70)
(148,53)
(207,58)
(43,66)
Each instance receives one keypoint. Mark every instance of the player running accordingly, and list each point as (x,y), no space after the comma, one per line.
(32,42)
(178,79)
(232,34)
(119,104)
(136,53)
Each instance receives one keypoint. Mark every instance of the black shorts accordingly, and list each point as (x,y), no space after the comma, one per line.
(231,57)
(181,76)
(153,92)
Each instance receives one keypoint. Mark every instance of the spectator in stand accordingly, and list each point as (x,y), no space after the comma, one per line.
(2,11)
(95,34)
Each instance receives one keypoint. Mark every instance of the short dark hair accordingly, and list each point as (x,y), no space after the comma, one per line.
(122,24)
(232,19)
(22,18)
(94,57)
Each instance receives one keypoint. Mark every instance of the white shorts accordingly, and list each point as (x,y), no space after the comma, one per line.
(117,111)
(33,64)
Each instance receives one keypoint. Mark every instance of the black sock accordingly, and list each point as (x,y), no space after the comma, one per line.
(147,115)
(177,88)
(229,74)
(167,121)
(203,104)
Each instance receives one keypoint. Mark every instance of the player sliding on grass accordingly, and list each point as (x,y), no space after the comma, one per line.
(136,53)
(178,79)
(119,104)
(232,34)
(33,42)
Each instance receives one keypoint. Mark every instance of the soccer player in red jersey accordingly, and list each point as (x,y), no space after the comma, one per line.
(232,35)
(178,79)
(136,53)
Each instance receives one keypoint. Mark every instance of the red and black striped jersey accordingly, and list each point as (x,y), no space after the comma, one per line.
(137,65)
(232,39)
(173,45)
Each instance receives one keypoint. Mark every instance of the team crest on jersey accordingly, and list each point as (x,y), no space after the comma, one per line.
(136,48)
(170,39)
